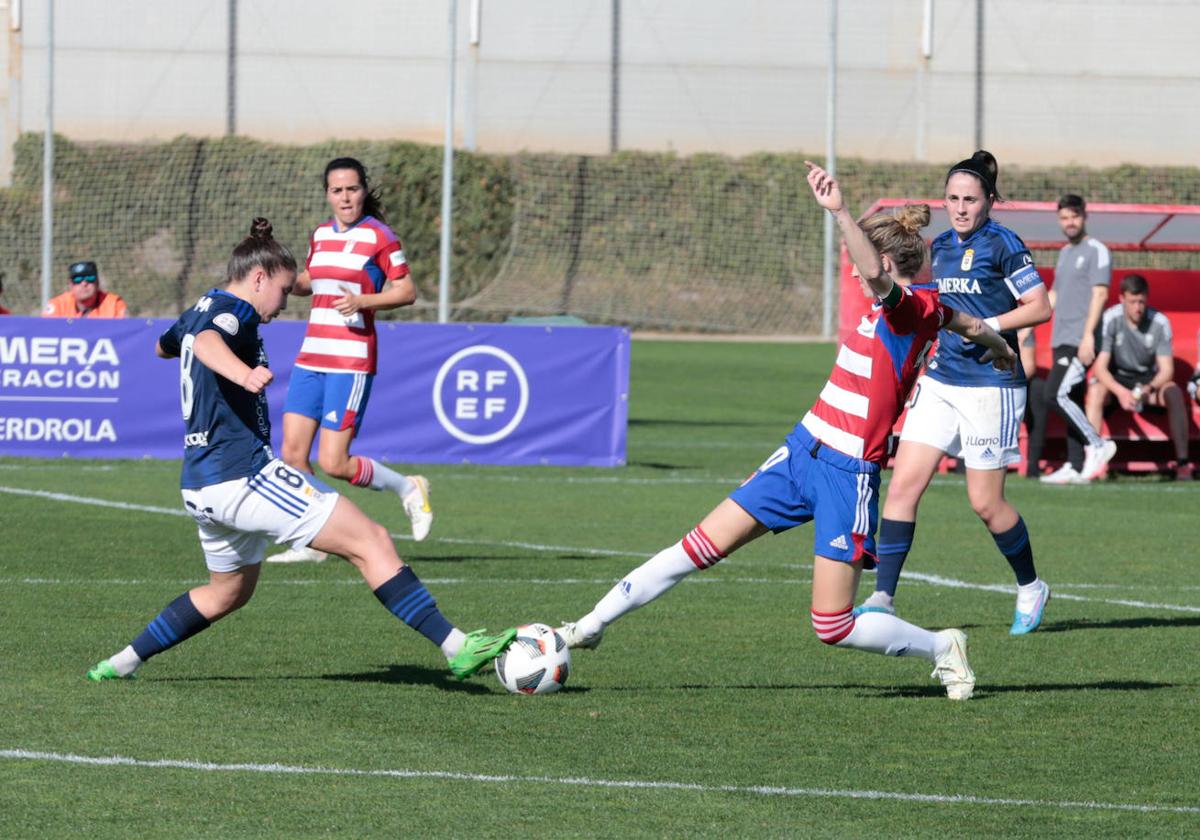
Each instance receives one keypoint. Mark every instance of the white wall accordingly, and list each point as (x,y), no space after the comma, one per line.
(1097,82)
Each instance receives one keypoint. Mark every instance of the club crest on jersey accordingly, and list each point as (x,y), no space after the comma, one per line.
(967,260)
(228,322)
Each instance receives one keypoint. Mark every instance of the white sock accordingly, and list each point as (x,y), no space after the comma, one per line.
(641,586)
(453,643)
(385,478)
(125,662)
(879,598)
(892,636)
(1028,594)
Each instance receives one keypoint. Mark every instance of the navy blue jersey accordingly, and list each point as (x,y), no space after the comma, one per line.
(228,431)
(983,275)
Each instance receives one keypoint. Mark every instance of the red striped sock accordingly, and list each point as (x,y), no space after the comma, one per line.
(831,628)
(701,549)
(364,472)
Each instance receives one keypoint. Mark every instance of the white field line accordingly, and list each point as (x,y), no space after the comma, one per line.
(934,580)
(584,782)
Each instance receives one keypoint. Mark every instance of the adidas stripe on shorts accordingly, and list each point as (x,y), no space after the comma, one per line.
(236,518)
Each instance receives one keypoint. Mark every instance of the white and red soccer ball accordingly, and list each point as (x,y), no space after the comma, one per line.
(537,661)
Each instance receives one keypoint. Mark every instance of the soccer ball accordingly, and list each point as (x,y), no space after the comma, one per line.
(537,662)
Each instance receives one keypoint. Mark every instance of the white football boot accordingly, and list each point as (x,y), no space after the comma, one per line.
(416,505)
(951,667)
(1095,458)
(299,555)
(575,637)
(1066,474)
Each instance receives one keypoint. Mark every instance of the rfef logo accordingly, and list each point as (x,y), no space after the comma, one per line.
(480,394)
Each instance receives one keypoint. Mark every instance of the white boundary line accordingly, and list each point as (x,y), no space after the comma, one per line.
(935,580)
(634,784)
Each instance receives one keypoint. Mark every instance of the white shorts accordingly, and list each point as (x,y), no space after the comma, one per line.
(981,425)
(236,517)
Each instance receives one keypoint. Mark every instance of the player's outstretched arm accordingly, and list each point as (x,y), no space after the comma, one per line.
(211,351)
(829,195)
(975,330)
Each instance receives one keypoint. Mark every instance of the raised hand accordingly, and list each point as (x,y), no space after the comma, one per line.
(825,187)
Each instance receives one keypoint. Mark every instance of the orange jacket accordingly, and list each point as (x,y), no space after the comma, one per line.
(108,305)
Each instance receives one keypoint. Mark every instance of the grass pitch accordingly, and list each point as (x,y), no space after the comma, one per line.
(714,711)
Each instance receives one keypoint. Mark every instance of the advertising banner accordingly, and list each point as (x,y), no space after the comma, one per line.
(445,393)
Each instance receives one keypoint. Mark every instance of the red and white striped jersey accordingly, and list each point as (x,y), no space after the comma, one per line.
(875,369)
(357,260)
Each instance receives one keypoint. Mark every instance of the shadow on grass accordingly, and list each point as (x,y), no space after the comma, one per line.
(1118,623)
(385,674)
(914,691)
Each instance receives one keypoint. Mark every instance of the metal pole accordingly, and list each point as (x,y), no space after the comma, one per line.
(48,162)
(614,107)
(922,152)
(978,74)
(448,176)
(474,36)
(231,73)
(831,168)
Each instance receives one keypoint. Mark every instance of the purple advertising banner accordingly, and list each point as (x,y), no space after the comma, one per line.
(445,393)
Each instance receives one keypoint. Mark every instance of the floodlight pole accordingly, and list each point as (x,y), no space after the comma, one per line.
(614,99)
(231,72)
(978,74)
(448,175)
(48,163)
(831,168)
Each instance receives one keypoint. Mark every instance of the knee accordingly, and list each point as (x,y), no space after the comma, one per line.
(831,628)
(294,455)
(225,601)
(988,508)
(336,464)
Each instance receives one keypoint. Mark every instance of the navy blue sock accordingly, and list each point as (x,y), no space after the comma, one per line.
(179,620)
(892,547)
(1014,545)
(407,598)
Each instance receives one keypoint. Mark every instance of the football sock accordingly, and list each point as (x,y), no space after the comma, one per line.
(407,598)
(178,621)
(881,599)
(370,473)
(877,633)
(653,578)
(1028,594)
(126,661)
(892,547)
(1014,545)
(453,643)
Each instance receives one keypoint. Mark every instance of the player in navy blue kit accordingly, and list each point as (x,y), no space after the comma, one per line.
(241,495)
(964,406)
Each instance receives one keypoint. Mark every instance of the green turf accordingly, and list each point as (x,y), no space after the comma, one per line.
(720,689)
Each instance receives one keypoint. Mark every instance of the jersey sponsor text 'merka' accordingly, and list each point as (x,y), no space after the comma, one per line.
(874,371)
(227,429)
(983,275)
(357,260)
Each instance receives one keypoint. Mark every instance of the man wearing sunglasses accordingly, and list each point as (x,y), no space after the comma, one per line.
(84,299)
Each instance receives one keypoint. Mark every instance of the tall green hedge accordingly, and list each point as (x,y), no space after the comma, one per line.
(160,218)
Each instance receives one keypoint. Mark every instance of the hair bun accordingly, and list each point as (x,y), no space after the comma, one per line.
(260,228)
(913,217)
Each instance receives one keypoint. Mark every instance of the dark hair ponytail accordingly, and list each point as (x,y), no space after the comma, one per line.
(983,166)
(372,205)
(259,250)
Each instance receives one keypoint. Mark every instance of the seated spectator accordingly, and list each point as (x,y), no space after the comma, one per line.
(84,299)
(1137,366)
(3,310)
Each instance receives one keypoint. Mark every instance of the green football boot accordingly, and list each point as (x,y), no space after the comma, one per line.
(105,671)
(478,650)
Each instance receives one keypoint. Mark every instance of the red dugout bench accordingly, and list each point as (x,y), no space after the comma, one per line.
(1142,439)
